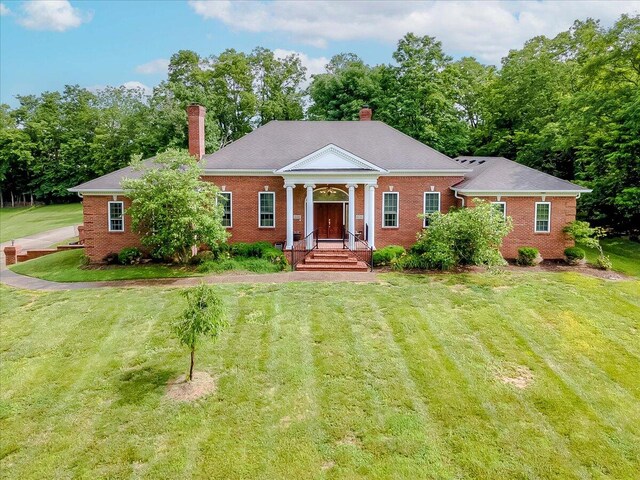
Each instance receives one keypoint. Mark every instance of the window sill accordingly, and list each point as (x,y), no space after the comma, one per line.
(266,228)
(391,228)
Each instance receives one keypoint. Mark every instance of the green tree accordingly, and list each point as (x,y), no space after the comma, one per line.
(172,209)
(464,236)
(203,317)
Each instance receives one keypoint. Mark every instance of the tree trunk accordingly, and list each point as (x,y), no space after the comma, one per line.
(32,199)
(193,352)
(13,202)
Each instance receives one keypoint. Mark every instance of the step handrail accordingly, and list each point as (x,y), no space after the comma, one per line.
(359,247)
(301,248)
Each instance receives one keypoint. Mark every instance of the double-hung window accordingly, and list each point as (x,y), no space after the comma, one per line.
(431,205)
(225,200)
(543,217)
(390,202)
(266,209)
(500,207)
(116,216)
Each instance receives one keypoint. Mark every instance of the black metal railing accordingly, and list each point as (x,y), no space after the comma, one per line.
(359,247)
(301,248)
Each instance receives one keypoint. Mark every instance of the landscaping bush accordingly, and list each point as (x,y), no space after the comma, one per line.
(582,232)
(410,261)
(574,255)
(603,262)
(202,257)
(386,254)
(111,258)
(263,250)
(527,256)
(466,236)
(129,256)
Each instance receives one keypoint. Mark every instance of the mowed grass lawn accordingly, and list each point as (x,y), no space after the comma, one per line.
(24,221)
(409,378)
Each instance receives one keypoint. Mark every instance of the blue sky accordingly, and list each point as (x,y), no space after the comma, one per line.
(47,44)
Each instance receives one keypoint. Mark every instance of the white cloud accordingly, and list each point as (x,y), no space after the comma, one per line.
(55,15)
(485,29)
(132,85)
(313,65)
(159,65)
(4,10)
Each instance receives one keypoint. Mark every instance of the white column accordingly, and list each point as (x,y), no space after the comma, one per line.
(309,215)
(289,188)
(366,213)
(372,215)
(352,213)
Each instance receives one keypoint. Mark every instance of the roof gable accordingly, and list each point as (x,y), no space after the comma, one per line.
(330,158)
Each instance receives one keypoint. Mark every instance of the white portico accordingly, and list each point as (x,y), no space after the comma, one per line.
(331,173)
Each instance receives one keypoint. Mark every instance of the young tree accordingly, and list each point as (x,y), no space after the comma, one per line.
(203,316)
(582,232)
(172,209)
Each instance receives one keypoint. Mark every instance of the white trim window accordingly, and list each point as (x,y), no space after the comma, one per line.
(267,209)
(500,207)
(226,198)
(543,217)
(390,209)
(116,216)
(431,205)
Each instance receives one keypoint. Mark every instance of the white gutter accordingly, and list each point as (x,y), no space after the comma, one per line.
(455,194)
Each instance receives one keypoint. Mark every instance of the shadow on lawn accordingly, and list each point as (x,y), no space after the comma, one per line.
(137,384)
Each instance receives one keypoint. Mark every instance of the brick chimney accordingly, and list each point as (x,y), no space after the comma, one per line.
(365,113)
(196,115)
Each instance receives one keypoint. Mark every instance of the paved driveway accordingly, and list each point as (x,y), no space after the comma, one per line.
(40,240)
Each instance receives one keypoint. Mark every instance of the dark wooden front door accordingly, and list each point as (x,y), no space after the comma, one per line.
(328,219)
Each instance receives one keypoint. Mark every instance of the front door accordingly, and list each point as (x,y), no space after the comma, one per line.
(328,219)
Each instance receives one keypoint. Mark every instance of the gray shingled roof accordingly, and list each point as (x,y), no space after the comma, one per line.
(501,174)
(280,143)
(111,181)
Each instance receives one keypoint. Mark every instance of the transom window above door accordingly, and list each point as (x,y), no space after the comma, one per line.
(330,194)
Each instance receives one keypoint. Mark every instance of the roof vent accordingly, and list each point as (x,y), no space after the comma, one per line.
(481,162)
(471,161)
(462,161)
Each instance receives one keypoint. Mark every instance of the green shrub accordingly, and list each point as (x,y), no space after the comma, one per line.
(129,256)
(386,254)
(603,262)
(574,255)
(466,236)
(410,261)
(202,257)
(256,249)
(527,256)
(111,258)
(262,250)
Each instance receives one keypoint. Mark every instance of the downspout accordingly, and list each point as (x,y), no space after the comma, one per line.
(455,194)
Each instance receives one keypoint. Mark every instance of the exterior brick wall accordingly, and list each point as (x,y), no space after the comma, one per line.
(522,211)
(411,202)
(98,240)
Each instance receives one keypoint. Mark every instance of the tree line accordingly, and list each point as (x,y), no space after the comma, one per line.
(568,105)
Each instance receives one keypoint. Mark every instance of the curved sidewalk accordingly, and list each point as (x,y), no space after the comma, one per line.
(12,279)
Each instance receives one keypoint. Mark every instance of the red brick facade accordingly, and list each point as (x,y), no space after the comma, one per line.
(522,212)
(99,241)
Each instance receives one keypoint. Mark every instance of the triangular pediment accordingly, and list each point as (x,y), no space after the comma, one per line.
(330,158)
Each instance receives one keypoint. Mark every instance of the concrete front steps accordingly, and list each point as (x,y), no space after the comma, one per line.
(41,252)
(332,261)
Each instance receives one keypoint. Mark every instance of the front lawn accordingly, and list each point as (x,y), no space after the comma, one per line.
(624,254)
(24,221)
(510,375)
(69,266)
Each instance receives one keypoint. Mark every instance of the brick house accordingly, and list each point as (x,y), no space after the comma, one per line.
(344,182)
